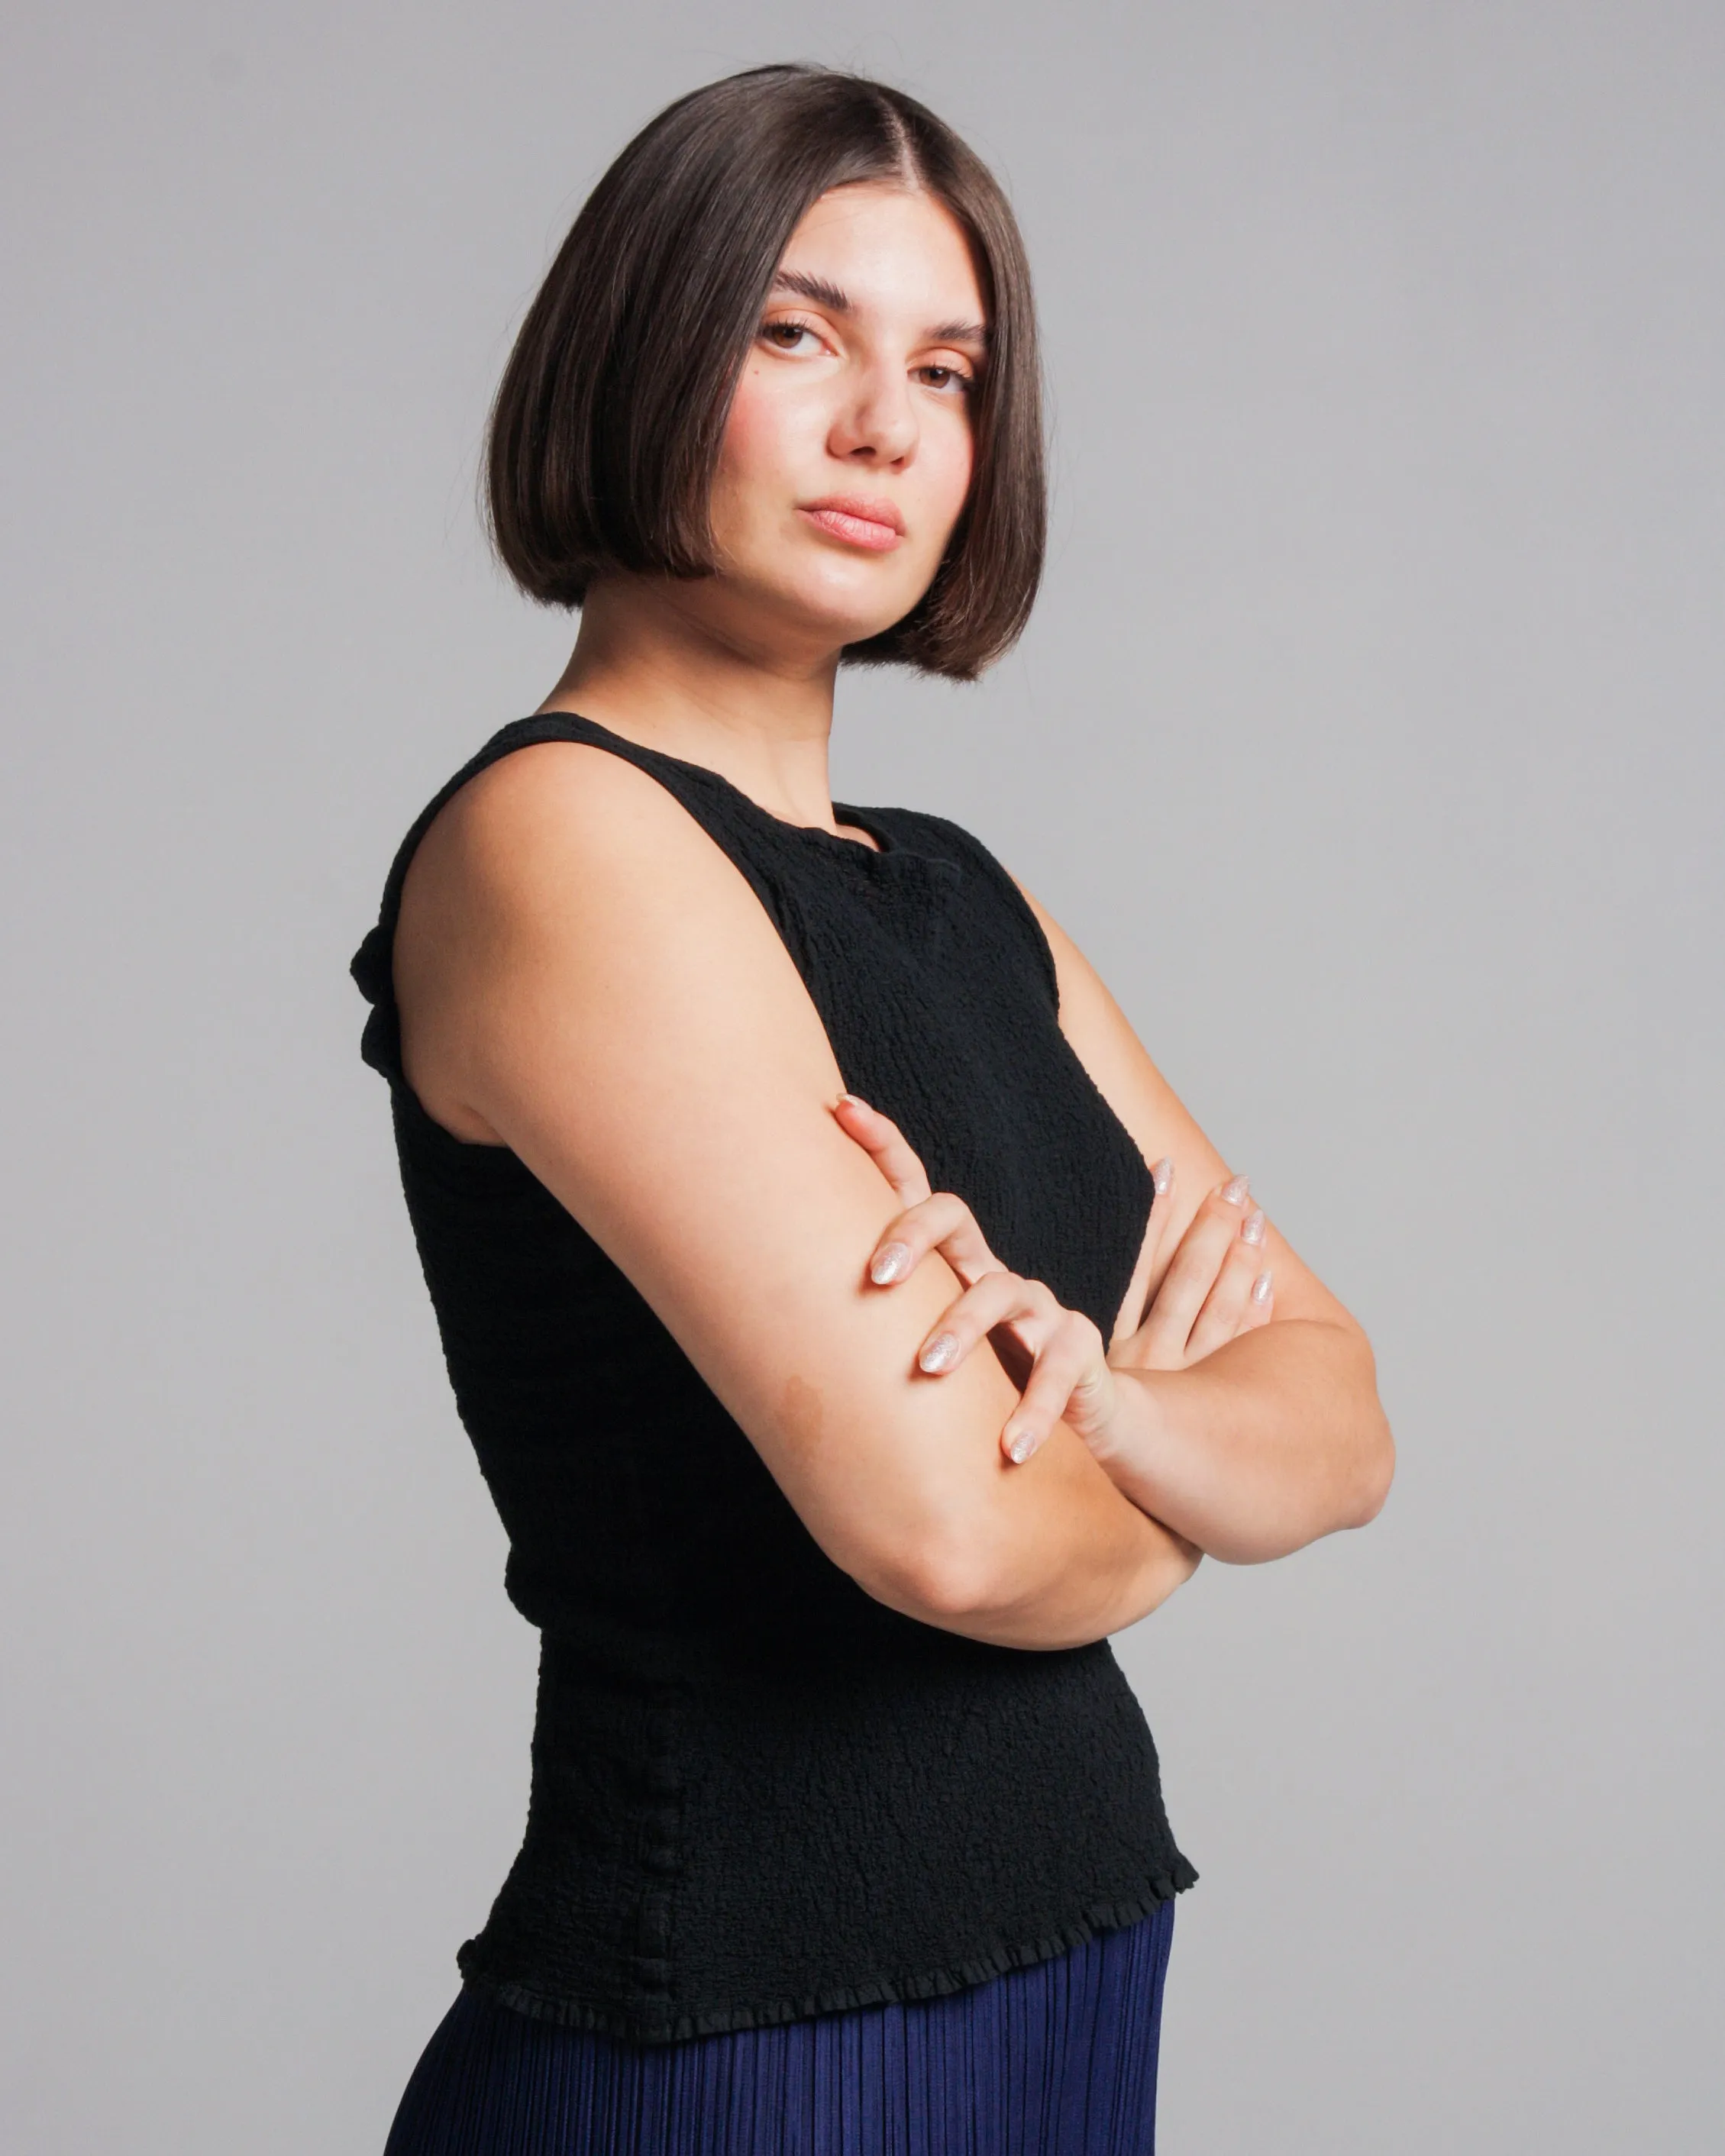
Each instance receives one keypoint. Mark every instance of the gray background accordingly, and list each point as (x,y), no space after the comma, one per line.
(1368,736)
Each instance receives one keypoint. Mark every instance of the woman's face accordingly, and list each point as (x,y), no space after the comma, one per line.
(847,455)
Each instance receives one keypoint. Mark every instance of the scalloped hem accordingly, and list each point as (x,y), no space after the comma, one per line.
(634,2028)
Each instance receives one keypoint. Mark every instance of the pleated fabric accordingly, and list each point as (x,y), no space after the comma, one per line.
(1056,2060)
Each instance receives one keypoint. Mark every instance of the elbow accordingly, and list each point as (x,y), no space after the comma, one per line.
(952,1582)
(1374,1473)
(1370,1457)
(953,1576)
(939,1575)
(1350,1494)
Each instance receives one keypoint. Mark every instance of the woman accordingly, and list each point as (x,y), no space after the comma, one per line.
(825,1492)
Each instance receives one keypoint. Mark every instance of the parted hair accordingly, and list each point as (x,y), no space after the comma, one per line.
(605,430)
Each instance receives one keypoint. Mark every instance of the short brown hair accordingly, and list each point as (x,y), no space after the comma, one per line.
(608,422)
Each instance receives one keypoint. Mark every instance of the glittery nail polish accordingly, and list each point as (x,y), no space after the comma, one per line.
(1234,1193)
(889,1263)
(1260,1287)
(1161,1177)
(941,1354)
(1020,1445)
(1253,1231)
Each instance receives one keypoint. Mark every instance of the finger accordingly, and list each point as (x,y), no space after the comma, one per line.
(1135,1306)
(1225,1306)
(1228,1300)
(886,1146)
(942,1223)
(1194,1269)
(1002,1298)
(1161,1208)
(1071,1382)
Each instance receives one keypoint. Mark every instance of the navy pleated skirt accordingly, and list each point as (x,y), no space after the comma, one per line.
(1057,2060)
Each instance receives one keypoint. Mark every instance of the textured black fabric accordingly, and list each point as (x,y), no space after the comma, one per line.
(757,1793)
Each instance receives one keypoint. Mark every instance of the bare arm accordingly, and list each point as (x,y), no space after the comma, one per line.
(1272,1441)
(584,977)
(1275,1437)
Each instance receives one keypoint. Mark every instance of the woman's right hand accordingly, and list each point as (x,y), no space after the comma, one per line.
(1056,1357)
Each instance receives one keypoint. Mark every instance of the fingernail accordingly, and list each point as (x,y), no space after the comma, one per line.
(889,1263)
(1234,1193)
(1020,1443)
(1253,1231)
(941,1354)
(1161,1176)
(1260,1287)
(850,1100)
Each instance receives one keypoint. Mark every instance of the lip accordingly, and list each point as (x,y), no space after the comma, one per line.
(863,521)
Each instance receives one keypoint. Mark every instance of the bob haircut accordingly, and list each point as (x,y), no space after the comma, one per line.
(607,427)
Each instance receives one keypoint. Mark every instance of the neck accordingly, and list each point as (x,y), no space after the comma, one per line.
(652,665)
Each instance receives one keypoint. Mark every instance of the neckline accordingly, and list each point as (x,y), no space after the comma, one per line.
(886,846)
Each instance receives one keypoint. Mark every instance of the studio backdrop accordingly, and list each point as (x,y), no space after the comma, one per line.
(1368,737)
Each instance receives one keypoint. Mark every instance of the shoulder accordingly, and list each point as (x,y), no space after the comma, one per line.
(548,806)
(557,839)
(561,883)
(1083,999)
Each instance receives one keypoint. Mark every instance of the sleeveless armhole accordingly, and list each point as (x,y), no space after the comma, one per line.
(373,967)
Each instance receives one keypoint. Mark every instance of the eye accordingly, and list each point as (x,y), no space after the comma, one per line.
(785,335)
(950,381)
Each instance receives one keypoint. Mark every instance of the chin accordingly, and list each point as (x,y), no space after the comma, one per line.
(840,610)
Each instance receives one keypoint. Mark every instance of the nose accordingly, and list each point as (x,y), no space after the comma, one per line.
(876,421)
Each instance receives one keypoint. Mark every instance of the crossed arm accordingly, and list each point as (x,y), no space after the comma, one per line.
(584,977)
(1248,1437)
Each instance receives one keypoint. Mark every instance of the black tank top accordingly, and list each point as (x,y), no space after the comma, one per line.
(757,1793)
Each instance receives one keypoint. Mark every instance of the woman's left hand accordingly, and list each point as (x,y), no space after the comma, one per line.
(1056,1357)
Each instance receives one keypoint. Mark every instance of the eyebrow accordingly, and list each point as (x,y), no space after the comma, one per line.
(821,294)
(815,289)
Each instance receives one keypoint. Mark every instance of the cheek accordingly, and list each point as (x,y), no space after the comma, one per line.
(949,459)
(758,434)
(963,466)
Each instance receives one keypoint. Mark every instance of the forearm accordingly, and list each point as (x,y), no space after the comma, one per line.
(1051,1555)
(1274,1440)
